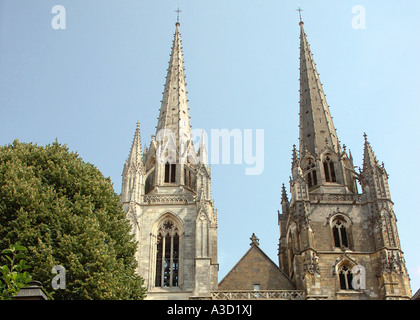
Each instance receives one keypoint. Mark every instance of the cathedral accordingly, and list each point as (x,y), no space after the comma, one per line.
(335,242)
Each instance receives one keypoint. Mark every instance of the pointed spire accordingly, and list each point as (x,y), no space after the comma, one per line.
(296,169)
(295,155)
(135,156)
(285,204)
(203,149)
(317,129)
(284,194)
(369,158)
(350,157)
(174,114)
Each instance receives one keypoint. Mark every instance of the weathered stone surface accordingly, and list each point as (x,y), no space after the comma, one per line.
(255,268)
(168,203)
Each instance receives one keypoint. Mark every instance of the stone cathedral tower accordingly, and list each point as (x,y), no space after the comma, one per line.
(166,195)
(337,243)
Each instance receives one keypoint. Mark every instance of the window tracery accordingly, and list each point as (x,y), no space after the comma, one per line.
(346,277)
(167,254)
(340,233)
(329,170)
(311,174)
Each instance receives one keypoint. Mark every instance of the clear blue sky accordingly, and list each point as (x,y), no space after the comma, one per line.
(88,85)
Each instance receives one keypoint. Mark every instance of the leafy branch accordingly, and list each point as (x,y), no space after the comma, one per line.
(13,274)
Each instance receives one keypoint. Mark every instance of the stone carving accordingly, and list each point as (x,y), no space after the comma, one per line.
(316,197)
(254,240)
(311,263)
(258,294)
(169,198)
(391,262)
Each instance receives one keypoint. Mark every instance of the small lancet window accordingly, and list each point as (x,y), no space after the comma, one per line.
(311,175)
(346,278)
(340,234)
(170,172)
(329,170)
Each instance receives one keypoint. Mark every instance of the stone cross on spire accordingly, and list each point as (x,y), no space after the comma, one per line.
(300,14)
(178,11)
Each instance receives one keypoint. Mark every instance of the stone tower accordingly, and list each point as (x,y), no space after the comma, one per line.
(337,243)
(166,195)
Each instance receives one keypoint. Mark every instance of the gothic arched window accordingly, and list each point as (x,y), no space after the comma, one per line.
(345,277)
(339,229)
(329,170)
(167,254)
(311,175)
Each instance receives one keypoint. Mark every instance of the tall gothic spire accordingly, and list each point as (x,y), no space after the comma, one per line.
(174,113)
(316,125)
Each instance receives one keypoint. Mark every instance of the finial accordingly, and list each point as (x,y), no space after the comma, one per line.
(254,240)
(365,136)
(177,14)
(300,15)
(138,125)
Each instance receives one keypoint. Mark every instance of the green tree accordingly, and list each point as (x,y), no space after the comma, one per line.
(13,274)
(67,213)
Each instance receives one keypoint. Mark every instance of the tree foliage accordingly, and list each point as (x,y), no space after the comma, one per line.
(67,213)
(13,274)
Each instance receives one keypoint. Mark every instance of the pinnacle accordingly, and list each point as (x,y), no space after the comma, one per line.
(135,155)
(284,194)
(295,155)
(369,158)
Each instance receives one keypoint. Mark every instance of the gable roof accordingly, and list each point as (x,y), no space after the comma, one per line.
(255,267)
